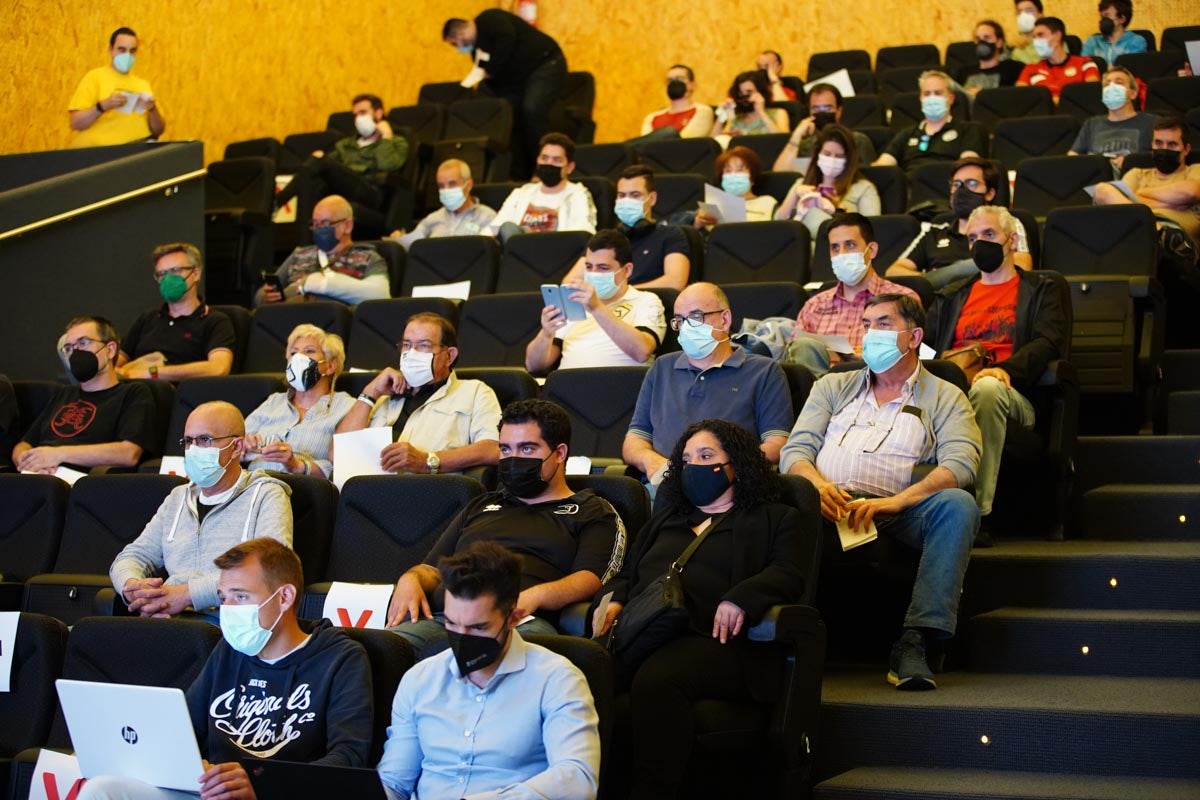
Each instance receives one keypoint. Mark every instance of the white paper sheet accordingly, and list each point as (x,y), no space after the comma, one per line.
(1193,54)
(131,101)
(63,473)
(56,777)
(172,465)
(579,465)
(840,79)
(601,612)
(731,208)
(358,605)
(838,344)
(357,453)
(473,79)
(8,639)
(925,352)
(452,291)
(851,538)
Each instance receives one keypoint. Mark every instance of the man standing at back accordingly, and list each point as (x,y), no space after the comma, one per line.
(111,106)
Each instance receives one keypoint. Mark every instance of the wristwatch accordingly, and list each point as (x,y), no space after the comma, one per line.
(153,370)
(366,398)
(99,108)
(434,463)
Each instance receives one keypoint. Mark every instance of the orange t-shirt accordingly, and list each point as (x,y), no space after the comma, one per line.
(990,317)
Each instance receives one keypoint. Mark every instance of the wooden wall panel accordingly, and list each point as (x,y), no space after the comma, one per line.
(234,69)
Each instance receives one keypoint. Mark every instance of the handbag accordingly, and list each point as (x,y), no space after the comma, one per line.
(970,359)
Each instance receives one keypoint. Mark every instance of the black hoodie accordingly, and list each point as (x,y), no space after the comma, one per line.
(313,705)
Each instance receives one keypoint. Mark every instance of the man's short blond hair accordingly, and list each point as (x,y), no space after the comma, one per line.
(936,73)
(1008,223)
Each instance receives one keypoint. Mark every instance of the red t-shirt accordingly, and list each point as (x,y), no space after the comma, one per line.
(990,317)
(1075,69)
(675,119)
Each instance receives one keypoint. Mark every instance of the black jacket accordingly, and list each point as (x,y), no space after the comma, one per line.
(515,47)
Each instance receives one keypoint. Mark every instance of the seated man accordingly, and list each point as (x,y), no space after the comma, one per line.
(537,734)
(440,423)
(234,504)
(461,213)
(1114,39)
(1057,66)
(624,325)
(244,703)
(995,68)
(1017,316)
(771,63)
(568,542)
(1028,13)
(838,443)
(333,267)
(940,252)
(824,107)
(101,422)
(552,203)
(183,338)
(838,311)
(710,379)
(691,119)
(1124,129)
(938,137)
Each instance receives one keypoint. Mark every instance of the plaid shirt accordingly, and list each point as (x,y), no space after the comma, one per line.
(829,314)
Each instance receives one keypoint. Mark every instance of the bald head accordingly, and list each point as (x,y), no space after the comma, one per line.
(336,206)
(218,418)
(707,294)
(333,212)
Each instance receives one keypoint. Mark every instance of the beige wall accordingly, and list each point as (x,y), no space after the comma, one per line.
(234,69)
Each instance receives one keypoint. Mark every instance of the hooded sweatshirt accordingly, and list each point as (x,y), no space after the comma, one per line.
(177,541)
(313,705)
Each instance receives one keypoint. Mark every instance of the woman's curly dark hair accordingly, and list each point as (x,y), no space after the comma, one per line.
(753,480)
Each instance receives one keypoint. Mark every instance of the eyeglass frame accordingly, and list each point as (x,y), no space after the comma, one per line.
(204,440)
(178,272)
(695,319)
(401,345)
(959,183)
(333,223)
(70,347)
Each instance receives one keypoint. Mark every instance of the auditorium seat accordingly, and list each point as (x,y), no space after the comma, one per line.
(247,392)
(746,252)
(800,382)
(673,156)
(925,56)
(314,505)
(777,184)
(1081,101)
(266,349)
(32,399)
(606,160)
(1149,66)
(960,56)
(242,321)
(822,64)
(32,511)
(451,259)
(1175,38)
(604,197)
(892,185)
(479,132)
(1007,102)
(767,146)
(265,147)
(442,93)
(1050,182)
(27,708)
(600,402)
(493,195)
(494,329)
(1030,137)
(862,109)
(239,236)
(299,147)
(390,656)
(378,326)
(529,261)
(762,300)
(677,193)
(1173,96)
(1148,35)
(1100,240)
(342,122)
(898,81)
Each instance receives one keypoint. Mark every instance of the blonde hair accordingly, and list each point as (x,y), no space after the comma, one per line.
(936,73)
(1008,222)
(330,343)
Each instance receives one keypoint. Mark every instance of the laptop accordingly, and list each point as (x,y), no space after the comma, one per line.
(140,732)
(274,779)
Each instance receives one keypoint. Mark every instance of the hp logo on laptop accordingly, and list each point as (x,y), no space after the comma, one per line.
(129,735)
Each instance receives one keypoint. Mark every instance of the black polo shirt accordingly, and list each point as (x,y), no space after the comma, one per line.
(945,145)
(181,340)
(652,243)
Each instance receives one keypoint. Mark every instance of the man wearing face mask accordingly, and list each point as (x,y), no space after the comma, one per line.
(568,542)
(440,423)
(824,106)
(624,325)
(1056,67)
(940,253)
(690,119)
(936,138)
(531,721)
(183,338)
(333,267)
(838,311)
(893,445)
(995,68)
(461,213)
(552,202)
(221,505)
(1018,317)
(1123,130)
(111,106)
(99,422)
(1028,12)
(710,378)
(1114,39)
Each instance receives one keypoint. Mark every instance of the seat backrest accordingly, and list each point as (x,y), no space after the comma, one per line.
(627,495)
(509,383)
(862,109)
(426,120)
(777,184)
(822,64)
(378,326)
(1081,100)
(1005,102)
(863,81)
(1175,38)
(240,317)
(32,511)
(767,146)
(793,108)
(892,185)
(1193,121)
(390,656)
(266,147)
(105,513)
(247,392)
(1173,96)
(747,252)
(266,349)
(897,81)
(486,116)
(696,156)
(493,195)
(342,122)
(396,257)
(387,523)
(494,329)
(800,382)
(27,709)
(603,160)
(677,193)
(802,496)
(925,56)
(1049,182)
(1100,240)
(1148,35)
(298,148)
(529,261)
(604,197)
(442,93)
(240,183)
(1029,137)
(451,259)
(1149,66)
(314,503)
(762,300)
(906,111)
(1103,335)
(960,56)
(600,402)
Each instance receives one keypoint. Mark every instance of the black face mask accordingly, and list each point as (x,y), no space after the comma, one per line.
(823,118)
(1166,161)
(704,483)
(522,477)
(743,105)
(549,174)
(473,653)
(985,50)
(84,365)
(676,89)
(988,256)
(1106,27)
(963,201)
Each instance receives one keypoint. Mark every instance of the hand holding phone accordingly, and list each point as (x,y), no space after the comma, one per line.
(560,298)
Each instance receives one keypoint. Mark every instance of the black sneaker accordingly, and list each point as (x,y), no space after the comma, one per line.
(983,536)
(907,668)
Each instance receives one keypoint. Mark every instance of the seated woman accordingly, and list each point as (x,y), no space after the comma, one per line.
(738,171)
(833,183)
(745,111)
(718,486)
(292,431)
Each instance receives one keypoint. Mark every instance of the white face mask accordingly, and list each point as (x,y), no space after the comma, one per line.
(831,166)
(365,125)
(1025,21)
(849,268)
(417,368)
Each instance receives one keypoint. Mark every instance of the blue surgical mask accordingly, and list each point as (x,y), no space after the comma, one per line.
(465,49)
(452,198)
(629,210)
(605,283)
(203,464)
(697,341)
(325,238)
(934,106)
(240,627)
(123,62)
(880,351)
(737,183)
(1043,48)
(1114,96)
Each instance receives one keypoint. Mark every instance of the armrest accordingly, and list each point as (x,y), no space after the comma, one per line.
(1058,373)
(107,603)
(785,624)
(572,619)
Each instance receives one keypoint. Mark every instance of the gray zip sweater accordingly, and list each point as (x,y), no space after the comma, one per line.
(176,540)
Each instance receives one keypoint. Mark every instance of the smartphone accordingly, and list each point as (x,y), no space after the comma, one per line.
(560,297)
(272,280)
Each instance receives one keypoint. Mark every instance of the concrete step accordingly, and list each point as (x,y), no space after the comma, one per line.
(909,783)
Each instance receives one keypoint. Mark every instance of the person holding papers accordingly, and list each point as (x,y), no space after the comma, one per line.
(273,688)
(439,423)
(111,106)
(738,170)
(859,440)
(833,182)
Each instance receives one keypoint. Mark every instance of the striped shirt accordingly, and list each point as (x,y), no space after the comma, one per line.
(277,420)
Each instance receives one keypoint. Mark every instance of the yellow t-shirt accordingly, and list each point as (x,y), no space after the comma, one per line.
(113,127)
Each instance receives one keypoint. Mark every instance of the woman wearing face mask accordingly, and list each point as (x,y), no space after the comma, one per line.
(833,182)
(292,431)
(738,171)
(745,111)
(720,495)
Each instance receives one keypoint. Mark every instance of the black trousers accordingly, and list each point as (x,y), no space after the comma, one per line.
(532,102)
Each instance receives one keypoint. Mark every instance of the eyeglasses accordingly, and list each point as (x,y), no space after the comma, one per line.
(423,346)
(82,343)
(924,145)
(203,440)
(696,318)
(872,424)
(974,184)
(178,272)
(327,223)
(822,109)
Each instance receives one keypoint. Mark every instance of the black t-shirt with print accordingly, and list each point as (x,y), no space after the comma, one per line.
(123,413)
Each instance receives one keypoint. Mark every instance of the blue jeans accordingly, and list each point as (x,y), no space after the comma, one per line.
(942,527)
(428,636)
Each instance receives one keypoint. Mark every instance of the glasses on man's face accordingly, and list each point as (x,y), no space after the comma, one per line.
(923,145)
(82,343)
(203,440)
(974,184)
(696,318)
(822,109)
(319,224)
(178,272)
(423,346)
